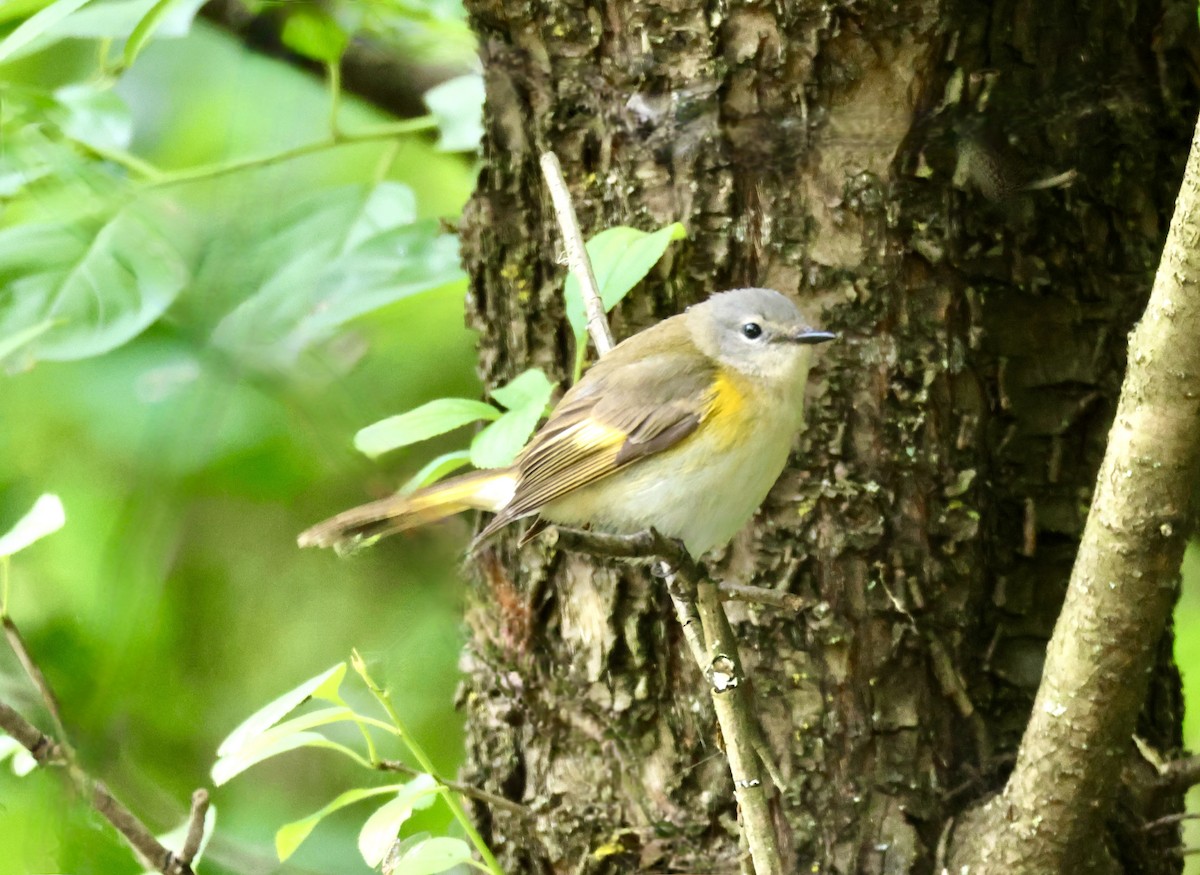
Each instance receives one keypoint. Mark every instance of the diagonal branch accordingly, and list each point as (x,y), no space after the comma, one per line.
(1121,591)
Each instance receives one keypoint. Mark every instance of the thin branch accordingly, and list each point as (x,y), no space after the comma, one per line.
(48,751)
(577,257)
(698,606)
(195,829)
(1121,592)
(44,749)
(465,789)
(17,643)
(370,135)
(1179,775)
(739,729)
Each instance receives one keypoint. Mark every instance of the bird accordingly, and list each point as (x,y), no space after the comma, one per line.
(682,428)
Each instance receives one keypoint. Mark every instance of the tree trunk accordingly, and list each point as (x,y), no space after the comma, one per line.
(883,164)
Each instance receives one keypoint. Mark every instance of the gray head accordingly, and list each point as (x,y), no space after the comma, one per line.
(758,332)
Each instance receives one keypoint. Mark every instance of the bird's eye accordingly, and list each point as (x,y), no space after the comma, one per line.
(752,331)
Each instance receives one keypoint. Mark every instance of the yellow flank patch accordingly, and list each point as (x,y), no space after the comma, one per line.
(728,405)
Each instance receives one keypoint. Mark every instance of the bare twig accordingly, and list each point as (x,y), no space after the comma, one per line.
(577,257)
(47,750)
(1180,775)
(44,749)
(17,643)
(195,829)
(731,701)
(698,606)
(1169,820)
(761,595)
(465,789)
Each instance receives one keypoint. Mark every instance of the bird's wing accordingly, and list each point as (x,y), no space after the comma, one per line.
(611,419)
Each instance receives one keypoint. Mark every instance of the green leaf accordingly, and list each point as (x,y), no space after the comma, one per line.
(497,445)
(621,258)
(314,33)
(323,686)
(101,290)
(113,19)
(44,518)
(291,835)
(93,116)
(526,398)
(389,205)
(433,418)
(527,387)
(381,828)
(271,744)
(10,345)
(145,28)
(435,470)
(36,25)
(457,104)
(431,856)
(329,259)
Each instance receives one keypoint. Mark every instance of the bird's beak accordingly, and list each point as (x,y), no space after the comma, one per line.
(810,337)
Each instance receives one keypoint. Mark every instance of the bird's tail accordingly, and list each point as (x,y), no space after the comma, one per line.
(482,490)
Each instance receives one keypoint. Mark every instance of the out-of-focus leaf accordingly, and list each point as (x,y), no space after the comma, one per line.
(146,26)
(22,760)
(96,117)
(457,104)
(334,258)
(621,258)
(312,32)
(381,828)
(100,289)
(45,518)
(431,856)
(291,835)
(113,19)
(430,419)
(323,686)
(435,470)
(12,344)
(36,25)
(270,744)
(388,205)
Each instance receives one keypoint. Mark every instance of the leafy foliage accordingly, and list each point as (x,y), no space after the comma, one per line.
(262,736)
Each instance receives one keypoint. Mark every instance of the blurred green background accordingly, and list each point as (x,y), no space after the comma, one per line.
(174,602)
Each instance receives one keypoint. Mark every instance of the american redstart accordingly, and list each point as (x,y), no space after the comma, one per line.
(683,427)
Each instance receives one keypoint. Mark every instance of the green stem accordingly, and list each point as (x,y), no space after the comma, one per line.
(335,97)
(418,752)
(3,587)
(211,171)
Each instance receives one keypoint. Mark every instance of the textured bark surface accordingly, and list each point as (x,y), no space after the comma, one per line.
(871,161)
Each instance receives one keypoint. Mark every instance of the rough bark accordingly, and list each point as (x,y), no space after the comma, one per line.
(872,160)
(1122,587)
